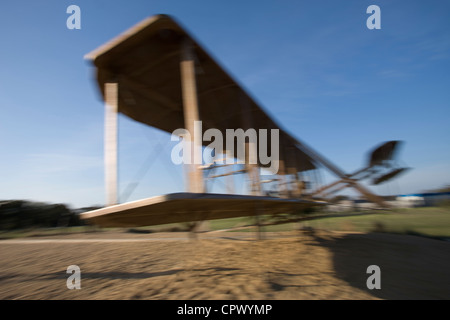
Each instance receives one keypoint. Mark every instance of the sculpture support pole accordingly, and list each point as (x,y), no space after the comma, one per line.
(191,115)
(110,143)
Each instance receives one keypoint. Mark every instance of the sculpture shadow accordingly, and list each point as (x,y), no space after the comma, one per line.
(411,267)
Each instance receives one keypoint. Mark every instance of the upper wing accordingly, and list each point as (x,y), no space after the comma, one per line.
(145,62)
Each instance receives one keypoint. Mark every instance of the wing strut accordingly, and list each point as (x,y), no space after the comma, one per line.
(191,114)
(111,110)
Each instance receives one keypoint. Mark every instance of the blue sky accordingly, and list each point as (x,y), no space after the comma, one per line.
(313,65)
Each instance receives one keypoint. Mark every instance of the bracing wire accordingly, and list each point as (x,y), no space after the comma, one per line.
(157,151)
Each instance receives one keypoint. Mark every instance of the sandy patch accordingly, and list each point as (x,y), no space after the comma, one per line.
(225,266)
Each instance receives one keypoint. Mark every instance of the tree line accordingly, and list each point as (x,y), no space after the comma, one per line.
(23,214)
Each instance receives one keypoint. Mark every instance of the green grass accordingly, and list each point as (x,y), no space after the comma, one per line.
(230,223)
(36,232)
(432,222)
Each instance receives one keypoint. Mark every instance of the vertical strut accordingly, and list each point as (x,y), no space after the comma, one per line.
(110,143)
(191,115)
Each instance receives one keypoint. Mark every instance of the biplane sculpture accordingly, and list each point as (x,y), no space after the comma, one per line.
(156,73)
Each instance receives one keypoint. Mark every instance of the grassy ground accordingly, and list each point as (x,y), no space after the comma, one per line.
(431,221)
(35,232)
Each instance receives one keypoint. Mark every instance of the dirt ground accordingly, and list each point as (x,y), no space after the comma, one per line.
(293,265)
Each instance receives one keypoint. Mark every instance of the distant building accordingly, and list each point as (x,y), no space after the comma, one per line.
(412,200)
(427,199)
